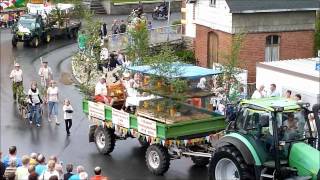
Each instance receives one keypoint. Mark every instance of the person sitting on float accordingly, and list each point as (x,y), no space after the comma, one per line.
(101,92)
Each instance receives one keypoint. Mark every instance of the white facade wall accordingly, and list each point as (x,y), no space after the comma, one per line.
(190,26)
(308,89)
(216,17)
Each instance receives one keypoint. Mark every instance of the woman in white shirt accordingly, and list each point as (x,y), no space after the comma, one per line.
(68,110)
(34,103)
(52,98)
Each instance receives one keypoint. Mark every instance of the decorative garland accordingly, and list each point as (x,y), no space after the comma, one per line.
(123,132)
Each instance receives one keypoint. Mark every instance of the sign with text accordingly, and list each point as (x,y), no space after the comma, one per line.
(146,126)
(120,118)
(96,110)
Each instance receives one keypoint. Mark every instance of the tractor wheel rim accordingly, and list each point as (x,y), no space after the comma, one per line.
(48,38)
(36,41)
(101,140)
(226,169)
(154,159)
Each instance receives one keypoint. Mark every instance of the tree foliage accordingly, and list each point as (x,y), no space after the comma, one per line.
(138,40)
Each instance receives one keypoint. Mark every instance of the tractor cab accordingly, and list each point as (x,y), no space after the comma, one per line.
(277,131)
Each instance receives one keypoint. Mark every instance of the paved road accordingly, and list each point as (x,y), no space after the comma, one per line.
(126,162)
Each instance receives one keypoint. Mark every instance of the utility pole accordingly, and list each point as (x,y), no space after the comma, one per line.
(168,22)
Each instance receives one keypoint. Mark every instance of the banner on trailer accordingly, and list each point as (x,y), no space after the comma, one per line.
(120,118)
(147,127)
(96,110)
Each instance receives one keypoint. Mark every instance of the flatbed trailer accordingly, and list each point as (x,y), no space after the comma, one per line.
(165,141)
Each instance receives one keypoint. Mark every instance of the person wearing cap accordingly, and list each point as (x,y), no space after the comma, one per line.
(101,93)
(45,74)
(16,76)
(97,174)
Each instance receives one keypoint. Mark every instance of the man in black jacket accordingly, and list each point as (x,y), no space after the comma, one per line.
(69,173)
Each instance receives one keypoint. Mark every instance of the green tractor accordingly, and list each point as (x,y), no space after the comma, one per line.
(268,138)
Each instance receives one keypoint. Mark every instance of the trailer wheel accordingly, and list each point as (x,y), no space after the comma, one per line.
(143,143)
(35,42)
(200,161)
(228,163)
(105,140)
(14,42)
(47,38)
(157,159)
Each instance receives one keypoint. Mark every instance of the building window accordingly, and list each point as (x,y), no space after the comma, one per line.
(272,48)
(213,3)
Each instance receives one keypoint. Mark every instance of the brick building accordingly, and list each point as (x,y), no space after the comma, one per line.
(275,29)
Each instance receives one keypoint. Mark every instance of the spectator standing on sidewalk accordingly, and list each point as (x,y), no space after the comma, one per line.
(58,165)
(2,167)
(115,29)
(42,166)
(22,172)
(273,91)
(53,99)
(104,31)
(80,169)
(10,171)
(97,174)
(12,156)
(69,168)
(34,102)
(68,110)
(45,74)
(123,27)
(50,171)
(16,76)
(259,93)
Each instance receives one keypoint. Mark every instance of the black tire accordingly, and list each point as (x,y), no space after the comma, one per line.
(14,42)
(157,159)
(231,154)
(200,161)
(105,140)
(143,143)
(35,42)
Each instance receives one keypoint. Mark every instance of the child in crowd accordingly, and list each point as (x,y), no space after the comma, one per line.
(68,110)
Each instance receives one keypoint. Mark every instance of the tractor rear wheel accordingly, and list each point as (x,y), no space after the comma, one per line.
(157,159)
(228,163)
(200,161)
(105,140)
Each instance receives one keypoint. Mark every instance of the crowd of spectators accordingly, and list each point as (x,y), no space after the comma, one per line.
(36,167)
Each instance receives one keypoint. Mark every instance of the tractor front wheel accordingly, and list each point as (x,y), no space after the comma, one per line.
(35,42)
(200,161)
(47,38)
(157,159)
(228,163)
(105,140)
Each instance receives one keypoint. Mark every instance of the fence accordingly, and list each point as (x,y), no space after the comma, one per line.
(156,36)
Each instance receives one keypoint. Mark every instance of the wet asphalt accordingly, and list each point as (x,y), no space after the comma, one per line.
(126,162)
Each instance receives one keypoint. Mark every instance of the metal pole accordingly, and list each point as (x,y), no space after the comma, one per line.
(168,23)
